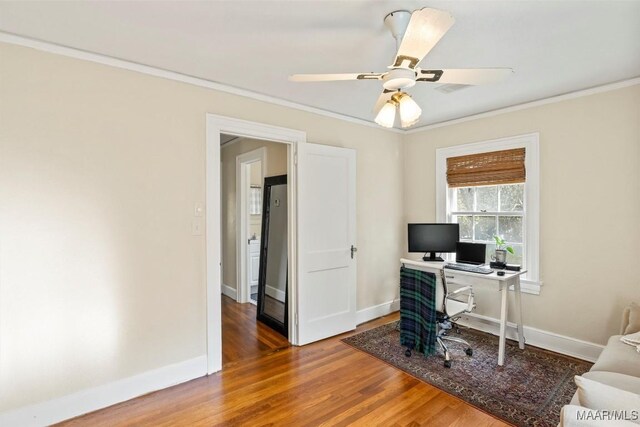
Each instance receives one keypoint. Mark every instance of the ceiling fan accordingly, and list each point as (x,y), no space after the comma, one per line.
(416,34)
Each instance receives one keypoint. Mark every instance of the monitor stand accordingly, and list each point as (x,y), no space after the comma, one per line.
(432,257)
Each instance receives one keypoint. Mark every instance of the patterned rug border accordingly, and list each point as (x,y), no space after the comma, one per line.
(501,417)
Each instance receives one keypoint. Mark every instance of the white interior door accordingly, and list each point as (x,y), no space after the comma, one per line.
(326,234)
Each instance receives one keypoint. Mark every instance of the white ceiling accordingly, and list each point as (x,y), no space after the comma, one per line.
(555,47)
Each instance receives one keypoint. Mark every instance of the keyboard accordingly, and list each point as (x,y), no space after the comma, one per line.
(469,268)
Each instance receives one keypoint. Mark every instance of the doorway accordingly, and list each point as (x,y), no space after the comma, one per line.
(321,204)
(250,170)
(247,166)
(215,126)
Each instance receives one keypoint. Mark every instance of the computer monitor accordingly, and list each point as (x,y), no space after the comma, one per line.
(471,253)
(433,238)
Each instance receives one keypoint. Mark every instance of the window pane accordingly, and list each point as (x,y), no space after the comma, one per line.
(491,251)
(511,197)
(466,226)
(465,199)
(517,257)
(510,228)
(485,227)
(487,198)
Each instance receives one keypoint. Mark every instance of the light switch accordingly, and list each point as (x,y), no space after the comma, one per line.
(198,209)
(196,227)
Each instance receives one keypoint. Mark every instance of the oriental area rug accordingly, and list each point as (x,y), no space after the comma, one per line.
(529,390)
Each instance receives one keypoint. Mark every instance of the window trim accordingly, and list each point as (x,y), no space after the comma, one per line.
(530,282)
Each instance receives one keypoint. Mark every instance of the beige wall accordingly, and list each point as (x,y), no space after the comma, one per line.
(276,165)
(590,206)
(100,168)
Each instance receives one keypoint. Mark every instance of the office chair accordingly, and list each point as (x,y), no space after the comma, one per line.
(449,306)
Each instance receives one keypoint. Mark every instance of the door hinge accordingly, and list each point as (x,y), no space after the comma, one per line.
(296,319)
(295,159)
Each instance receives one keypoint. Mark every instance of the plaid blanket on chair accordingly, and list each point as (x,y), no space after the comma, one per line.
(418,310)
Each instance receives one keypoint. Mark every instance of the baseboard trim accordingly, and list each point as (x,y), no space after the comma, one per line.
(92,399)
(230,292)
(536,337)
(373,312)
(548,340)
(275,293)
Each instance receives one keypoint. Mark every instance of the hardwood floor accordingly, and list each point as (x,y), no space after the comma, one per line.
(242,336)
(265,382)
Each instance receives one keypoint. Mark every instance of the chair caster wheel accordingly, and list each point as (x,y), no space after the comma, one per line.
(469,351)
(407,353)
(447,363)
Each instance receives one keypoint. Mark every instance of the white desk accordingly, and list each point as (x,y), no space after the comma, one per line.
(501,283)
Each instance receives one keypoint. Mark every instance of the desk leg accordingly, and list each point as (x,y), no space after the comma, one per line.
(503,324)
(516,288)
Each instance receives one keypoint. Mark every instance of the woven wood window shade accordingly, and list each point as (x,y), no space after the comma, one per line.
(496,167)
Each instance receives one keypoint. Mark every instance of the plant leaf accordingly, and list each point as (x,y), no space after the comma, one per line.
(510,250)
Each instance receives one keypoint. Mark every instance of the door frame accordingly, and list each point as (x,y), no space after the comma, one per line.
(242,216)
(215,125)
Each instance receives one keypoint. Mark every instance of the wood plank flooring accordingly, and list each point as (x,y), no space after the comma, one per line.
(242,336)
(266,382)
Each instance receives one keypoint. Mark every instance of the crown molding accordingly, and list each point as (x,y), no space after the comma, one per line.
(209,84)
(179,77)
(551,100)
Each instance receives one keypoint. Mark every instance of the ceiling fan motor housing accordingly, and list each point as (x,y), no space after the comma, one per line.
(399,78)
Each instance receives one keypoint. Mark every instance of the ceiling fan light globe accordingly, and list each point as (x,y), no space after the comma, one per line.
(387,115)
(410,111)
(405,124)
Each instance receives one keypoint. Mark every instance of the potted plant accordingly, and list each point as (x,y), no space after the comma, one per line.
(501,250)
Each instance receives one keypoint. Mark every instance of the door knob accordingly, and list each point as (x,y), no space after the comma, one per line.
(353,251)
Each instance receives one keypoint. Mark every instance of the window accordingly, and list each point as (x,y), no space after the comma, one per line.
(487,204)
(486,211)
(255,200)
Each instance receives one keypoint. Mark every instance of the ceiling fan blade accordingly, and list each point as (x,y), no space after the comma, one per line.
(334,77)
(425,29)
(382,99)
(464,76)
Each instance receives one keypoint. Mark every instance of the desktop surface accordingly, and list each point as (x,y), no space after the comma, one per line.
(440,266)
